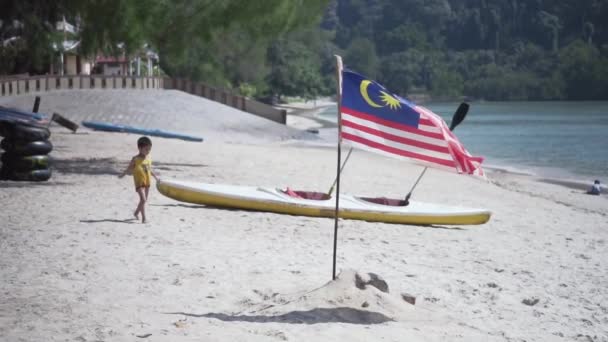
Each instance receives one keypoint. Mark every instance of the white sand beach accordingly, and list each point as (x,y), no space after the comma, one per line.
(75,266)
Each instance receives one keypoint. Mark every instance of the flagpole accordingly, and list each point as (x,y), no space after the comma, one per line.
(339,103)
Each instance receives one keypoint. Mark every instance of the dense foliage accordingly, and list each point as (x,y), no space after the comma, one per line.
(490,49)
(193,37)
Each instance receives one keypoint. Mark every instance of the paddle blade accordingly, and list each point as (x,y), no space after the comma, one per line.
(459,116)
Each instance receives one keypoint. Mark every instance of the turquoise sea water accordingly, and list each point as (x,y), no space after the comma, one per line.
(549,139)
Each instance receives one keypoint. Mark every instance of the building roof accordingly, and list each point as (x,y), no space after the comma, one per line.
(65,26)
(66,45)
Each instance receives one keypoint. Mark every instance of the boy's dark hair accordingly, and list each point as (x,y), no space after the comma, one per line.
(143,142)
(597,181)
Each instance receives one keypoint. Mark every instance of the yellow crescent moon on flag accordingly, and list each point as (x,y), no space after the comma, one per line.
(363,89)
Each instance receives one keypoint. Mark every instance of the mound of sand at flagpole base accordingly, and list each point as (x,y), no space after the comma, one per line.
(356,298)
(353,297)
(339,300)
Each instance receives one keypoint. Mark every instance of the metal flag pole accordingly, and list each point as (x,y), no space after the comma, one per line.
(339,102)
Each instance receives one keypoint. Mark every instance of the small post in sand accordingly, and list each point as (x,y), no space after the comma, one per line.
(72,126)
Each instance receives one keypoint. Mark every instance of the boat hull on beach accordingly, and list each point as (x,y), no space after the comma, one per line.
(320,205)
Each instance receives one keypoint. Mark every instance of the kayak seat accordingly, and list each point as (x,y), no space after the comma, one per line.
(310,195)
(385,201)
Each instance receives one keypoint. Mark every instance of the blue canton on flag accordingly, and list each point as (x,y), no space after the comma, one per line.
(368,97)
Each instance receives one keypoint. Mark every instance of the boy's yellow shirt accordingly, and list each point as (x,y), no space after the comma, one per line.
(142,172)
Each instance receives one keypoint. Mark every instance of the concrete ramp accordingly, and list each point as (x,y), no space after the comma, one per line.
(170,110)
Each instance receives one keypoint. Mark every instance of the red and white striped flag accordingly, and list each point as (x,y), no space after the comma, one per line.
(374,119)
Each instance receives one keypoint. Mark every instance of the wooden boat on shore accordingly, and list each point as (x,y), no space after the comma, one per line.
(307,203)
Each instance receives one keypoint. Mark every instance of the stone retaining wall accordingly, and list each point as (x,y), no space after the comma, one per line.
(30,84)
(219,95)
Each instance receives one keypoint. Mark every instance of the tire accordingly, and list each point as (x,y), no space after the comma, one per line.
(25,163)
(31,176)
(24,132)
(26,148)
(4,128)
(4,172)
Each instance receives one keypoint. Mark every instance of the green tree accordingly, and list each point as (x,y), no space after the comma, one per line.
(172,27)
(294,71)
(401,38)
(445,83)
(361,56)
(401,71)
(584,70)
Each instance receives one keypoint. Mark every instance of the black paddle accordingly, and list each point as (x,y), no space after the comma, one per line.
(458,117)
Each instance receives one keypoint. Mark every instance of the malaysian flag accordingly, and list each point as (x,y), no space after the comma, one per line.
(374,119)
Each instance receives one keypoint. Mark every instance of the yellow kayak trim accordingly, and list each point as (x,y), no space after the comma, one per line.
(228,201)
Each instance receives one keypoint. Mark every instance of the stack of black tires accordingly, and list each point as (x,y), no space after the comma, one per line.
(26,148)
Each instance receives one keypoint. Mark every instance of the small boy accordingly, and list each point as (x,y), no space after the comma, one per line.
(141,168)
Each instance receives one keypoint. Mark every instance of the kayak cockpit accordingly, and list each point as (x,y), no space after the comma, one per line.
(385,201)
(309,195)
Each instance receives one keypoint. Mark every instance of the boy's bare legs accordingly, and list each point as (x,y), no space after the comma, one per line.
(136,212)
(143,212)
(141,207)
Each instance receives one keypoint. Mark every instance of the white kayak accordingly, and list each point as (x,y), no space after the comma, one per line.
(318,204)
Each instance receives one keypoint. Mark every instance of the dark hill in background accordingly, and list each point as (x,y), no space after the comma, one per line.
(448,49)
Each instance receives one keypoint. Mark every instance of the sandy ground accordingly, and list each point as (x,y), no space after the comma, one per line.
(74,266)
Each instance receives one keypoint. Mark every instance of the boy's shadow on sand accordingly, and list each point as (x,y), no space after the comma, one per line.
(200,206)
(87,166)
(314,316)
(105,166)
(193,206)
